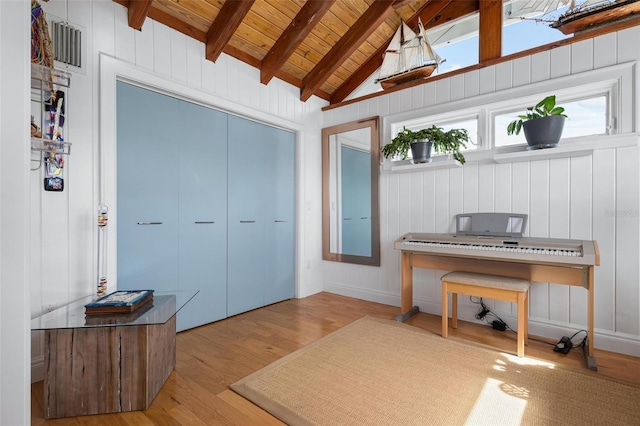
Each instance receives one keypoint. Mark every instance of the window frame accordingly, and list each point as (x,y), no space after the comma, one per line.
(616,83)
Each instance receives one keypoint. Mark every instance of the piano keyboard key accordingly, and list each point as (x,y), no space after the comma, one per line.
(499,248)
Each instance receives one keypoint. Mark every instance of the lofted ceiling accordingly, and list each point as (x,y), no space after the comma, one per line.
(327,48)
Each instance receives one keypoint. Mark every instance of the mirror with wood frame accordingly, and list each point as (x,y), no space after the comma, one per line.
(350,172)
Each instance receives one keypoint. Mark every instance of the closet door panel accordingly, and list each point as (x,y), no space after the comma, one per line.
(203,213)
(279,216)
(147,225)
(246,239)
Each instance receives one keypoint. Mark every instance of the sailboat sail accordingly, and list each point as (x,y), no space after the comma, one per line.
(409,56)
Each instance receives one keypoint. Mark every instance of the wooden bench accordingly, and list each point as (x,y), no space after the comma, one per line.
(492,286)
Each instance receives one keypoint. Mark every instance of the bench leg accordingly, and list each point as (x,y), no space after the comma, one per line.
(522,327)
(454,310)
(445,314)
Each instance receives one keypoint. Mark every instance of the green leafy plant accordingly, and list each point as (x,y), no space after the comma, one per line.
(400,144)
(544,108)
(451,141)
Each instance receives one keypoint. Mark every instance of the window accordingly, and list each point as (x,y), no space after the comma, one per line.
(598,103)
(586,117)
(469,124)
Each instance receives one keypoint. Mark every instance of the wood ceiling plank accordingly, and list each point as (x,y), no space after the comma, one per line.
(288,7)
(490,30)
(364,26)
(194,13)
(349,11)
(249,35)
(279,17)
(293,35)
(137,13)
(226,23)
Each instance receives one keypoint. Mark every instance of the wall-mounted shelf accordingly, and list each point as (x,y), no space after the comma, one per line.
(45,84)
(408,166)
(49,146)
(541,154)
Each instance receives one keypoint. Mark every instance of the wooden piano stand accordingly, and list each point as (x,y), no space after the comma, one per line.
(568,274)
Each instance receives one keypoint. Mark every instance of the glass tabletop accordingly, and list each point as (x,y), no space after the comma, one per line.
(165,304)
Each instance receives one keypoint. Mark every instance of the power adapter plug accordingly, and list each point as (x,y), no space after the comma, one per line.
(499,325)
(564,345)
(483,313)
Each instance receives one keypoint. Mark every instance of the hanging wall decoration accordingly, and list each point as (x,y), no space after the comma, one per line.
(41,49)
(103,217)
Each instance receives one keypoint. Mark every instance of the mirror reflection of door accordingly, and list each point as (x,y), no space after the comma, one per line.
(350,193)
(352,217)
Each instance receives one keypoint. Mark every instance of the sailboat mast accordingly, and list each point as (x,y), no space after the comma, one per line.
(402,58)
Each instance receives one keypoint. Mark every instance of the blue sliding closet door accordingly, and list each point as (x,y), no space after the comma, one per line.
(246,240)
(147,185)
(203,213)
(206,201)
(172,206)
(261,198)
(280,215)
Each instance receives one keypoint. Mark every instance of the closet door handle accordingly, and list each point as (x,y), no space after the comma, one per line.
(149,223)
(247,221)
(280,221)
(347,218)
(203,222)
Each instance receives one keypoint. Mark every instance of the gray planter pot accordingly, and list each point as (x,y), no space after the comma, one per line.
(421,151)
(543,132)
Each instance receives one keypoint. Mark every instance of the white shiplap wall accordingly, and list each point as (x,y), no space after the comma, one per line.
(64,228)
(14,214)
(589,197)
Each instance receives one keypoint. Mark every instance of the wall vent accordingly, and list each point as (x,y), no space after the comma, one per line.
(67,43)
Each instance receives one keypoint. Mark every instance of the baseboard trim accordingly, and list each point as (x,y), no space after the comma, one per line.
(37,369)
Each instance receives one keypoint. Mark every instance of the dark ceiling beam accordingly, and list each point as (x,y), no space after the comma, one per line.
(137,12)
(293,35)
(455,10)
(490,30)
(432,14)
(374,16)
(226,23)
(173,22)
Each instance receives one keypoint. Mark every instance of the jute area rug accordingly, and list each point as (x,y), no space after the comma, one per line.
(381,372)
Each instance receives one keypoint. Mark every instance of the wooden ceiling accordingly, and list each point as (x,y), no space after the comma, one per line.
(327,48)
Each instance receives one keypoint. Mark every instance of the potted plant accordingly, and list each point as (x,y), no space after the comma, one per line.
(542,124)
(421,143)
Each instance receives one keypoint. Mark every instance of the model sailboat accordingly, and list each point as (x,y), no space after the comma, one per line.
(408,57)
(591,14)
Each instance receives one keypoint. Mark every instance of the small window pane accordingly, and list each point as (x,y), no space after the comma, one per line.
(585,117)
(470,125)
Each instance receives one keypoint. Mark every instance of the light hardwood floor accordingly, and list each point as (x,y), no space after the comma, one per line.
(211,357)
